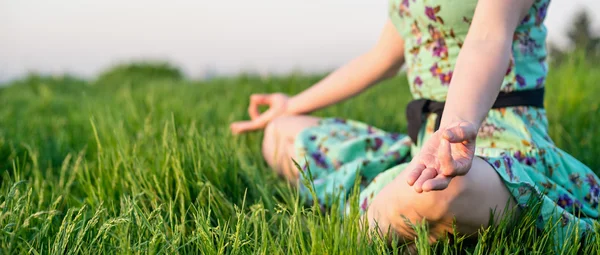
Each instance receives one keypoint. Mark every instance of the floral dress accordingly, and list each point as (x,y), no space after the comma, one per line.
(514,140)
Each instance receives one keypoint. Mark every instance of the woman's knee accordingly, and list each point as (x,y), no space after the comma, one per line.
(271,140)
(278,143)
(279,134)
(282,131)
(433,208)
(438,205)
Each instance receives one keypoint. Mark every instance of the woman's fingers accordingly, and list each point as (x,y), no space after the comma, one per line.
(257,123)
(426,175)
(255,101)
(414,174)
(240,127)
(439,182)
(265,117)
(454,152)
(447,164)
(245,126)
(276,103)
(464,132)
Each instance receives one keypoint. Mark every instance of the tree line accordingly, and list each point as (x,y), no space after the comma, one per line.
(583,41)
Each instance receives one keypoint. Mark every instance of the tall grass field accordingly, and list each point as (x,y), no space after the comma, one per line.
(140,160)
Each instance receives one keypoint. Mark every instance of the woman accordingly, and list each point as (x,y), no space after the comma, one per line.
(487,148)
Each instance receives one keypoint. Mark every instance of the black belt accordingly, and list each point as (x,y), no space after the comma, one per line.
(417,110)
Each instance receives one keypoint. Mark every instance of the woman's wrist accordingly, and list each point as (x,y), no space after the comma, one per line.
(451,121)
(293,107)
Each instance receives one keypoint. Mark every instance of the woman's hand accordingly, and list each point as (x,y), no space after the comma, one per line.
(447,153)
(278,106)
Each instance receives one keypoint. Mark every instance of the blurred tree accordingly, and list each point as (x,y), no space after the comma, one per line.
(581,35)
(139,72)
(582,39)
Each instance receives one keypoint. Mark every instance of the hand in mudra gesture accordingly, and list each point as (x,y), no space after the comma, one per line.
(278,106)
(447,153)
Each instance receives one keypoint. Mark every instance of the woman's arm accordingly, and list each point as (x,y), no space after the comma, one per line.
(483,60)
(381,62)
(478,73)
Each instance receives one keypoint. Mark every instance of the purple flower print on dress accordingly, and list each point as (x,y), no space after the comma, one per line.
(594,192)
(592,197)
(543,10)
(378,143)
(430,12)
(364,205)
(508,163)
(497,163)
(541,14)
(520,80)
(374,144)
(319,159)
(312,137)
(370,130)
(539,82)
(418,81)
(435,70)
(525,19)
(440,49)
(339,121)
(524,158)
(395,136)
(564,201)
(543,64)
(511,63)
(403,9)
(445,78)
(519,156)
(530,161)
(526,44)
(591,180)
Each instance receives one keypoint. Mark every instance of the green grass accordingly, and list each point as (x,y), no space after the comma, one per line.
(128,164)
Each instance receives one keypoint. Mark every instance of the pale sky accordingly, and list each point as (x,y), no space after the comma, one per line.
(85,36)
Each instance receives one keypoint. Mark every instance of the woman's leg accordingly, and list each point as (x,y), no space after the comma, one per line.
(278,143)
(468,199)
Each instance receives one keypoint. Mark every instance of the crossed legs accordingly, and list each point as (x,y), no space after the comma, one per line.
(467,201)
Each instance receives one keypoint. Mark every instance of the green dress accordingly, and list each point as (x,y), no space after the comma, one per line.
(514,140)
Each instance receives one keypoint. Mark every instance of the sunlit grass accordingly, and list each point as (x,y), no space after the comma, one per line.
(136,165)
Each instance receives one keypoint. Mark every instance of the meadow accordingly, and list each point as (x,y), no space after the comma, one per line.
(140,160)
